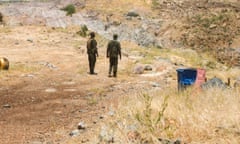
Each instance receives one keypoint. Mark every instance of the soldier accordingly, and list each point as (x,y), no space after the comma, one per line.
(92,52)
(113,50)
(1,17)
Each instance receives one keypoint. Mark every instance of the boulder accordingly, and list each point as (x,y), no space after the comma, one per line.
(214,82)
(132,13)
(139,69)
(148,68)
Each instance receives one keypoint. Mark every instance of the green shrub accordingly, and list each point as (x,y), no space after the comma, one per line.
(83,31)
(70,9)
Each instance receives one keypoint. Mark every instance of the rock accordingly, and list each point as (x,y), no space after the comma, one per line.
(83,111)
(212,26)
(69,90)
(106,135)
(28,75)
(7,106)
(74,133)
(166,141)
(51,66)
(154,84)
(138,69)
(69,83)
(132,13)
(177,142)
(30,40)
(47,64)
(153,74)
(111,113)
(81,126)
(148,68)
(51,90)
(214,82)
(36,142)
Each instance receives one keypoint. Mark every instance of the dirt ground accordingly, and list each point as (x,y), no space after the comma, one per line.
(48,91)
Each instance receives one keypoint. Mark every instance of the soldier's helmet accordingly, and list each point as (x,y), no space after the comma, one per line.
(4,63)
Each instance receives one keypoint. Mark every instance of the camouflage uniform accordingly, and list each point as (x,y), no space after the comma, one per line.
(92,53)
(113,50)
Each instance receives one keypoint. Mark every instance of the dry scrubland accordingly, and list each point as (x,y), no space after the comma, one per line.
(193,116)
(210,116)
(204,117)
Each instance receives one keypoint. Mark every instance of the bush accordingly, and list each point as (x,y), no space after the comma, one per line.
(70,9)
(83,31)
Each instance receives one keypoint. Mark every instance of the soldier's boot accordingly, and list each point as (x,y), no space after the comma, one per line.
(91,71)
(115,74)
(109,73)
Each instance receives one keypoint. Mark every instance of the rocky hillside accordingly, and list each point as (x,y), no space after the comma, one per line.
(207,26)
(48,97)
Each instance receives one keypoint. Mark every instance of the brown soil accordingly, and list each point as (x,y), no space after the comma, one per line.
(47,90)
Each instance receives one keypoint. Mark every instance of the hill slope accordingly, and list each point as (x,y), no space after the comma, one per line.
(47,90)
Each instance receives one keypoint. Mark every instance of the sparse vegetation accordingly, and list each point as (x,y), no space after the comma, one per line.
(191,116)
(214,33)
(70,9)
(114,110)
(149,120)
(83,31)
(155,3)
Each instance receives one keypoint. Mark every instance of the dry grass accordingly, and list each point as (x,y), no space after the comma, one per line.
(117,6)
(206,117)
(19,68)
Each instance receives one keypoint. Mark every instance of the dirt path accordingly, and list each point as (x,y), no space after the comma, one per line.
(47,90)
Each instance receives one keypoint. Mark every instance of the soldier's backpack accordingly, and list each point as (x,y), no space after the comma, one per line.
(90,50)
(114,50)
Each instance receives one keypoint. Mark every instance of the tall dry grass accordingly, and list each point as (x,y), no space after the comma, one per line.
(206,117)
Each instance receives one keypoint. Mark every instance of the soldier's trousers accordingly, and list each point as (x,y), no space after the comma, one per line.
(113,64)
(92,61)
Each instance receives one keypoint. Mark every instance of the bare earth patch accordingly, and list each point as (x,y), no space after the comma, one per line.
(47,90)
